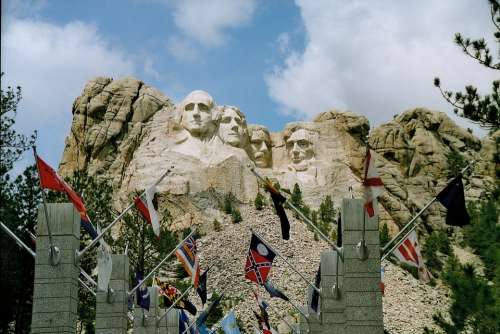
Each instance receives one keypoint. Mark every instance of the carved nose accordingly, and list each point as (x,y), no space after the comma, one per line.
(295,148)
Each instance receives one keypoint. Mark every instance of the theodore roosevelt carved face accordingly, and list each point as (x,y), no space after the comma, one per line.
(260,144)
(197,117)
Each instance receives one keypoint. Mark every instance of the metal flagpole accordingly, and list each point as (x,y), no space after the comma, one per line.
(384,251)
(286,261)
(55,253)
(158,265)
(23,245)
(304,218)
(79,254)
(174,303)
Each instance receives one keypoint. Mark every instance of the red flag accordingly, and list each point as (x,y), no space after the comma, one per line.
(409,252)
(148,210)
(50,180)
(259,261)
(372,183)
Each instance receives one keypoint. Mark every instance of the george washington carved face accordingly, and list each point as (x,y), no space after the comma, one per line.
(197,117)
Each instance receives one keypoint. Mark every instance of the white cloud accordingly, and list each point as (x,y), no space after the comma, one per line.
(52,63)
(182,49)
(206,21)
(380,59)
(283,43)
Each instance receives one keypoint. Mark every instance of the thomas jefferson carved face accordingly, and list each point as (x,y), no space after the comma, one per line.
(233,127)
(300,149)
(260,143)
(197,114)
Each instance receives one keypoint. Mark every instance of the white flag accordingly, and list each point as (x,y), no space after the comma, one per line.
(104,264)
(409,252)
(153,214)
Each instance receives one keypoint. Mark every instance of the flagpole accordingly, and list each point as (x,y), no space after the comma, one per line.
(173,304)
(55,253)
(286,261)
(304,218)
(79,254)
(158,265)
(33,254)
(290,326)
(408,225)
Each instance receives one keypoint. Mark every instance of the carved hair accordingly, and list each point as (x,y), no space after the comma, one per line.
(257,127)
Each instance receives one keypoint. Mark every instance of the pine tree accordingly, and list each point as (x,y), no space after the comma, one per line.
(259,201)
(326,210)
(483,110)
(384,235)
(296,198)
(236,216)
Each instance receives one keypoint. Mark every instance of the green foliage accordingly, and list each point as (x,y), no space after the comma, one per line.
(456,162)
(296,198)
(483,110)
(326,210)
(259,201)
(18,202)
(236,216)
(384,235)
(228,203)
(217,226)
(437,242)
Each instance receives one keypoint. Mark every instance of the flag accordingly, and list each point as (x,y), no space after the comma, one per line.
(315,294)
(452,197)
(202,287)
(87,226)
(278,201)
(204,315)
(382,285)
(171,295)
(259,261)
(186,254)
(263,305)
(50,180)
(372,183)
(273,291)
(229,325)
(202,329)
(184,323)
(339,231)
(104,264)
(143,299)
(263,320)
(149,209)
(409,252)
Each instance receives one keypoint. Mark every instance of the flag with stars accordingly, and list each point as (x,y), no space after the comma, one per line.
(259,261)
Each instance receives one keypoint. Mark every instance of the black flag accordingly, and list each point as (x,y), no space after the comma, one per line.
(278,201)
(452,197)
(204,315)
(315,294)
(202,287)
(274,292)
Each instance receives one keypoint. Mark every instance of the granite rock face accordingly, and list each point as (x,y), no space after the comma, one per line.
(131,133)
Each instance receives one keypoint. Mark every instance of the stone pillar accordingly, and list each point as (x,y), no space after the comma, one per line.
(111,313)
(171,321)
(145,322)
(55,293)
(332,302)
(363,299)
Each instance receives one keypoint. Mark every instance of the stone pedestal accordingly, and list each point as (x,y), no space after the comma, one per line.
(356,307)
(55,293)
(145,322)
(172,321)
(111,311)
(363,299)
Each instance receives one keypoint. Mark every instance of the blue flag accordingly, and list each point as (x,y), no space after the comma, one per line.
(229,325)
(274,291)
(184,323)
(202,329)
(143,299)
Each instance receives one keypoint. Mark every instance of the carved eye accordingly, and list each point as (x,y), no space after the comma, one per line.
(226,119)
(203,107)
(303,143)
(189,107)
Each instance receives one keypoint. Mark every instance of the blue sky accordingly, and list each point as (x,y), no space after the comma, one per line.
(278,60)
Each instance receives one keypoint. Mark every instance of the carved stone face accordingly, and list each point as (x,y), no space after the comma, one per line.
(260,144)
(232,127)
(197,114)
(300,149)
